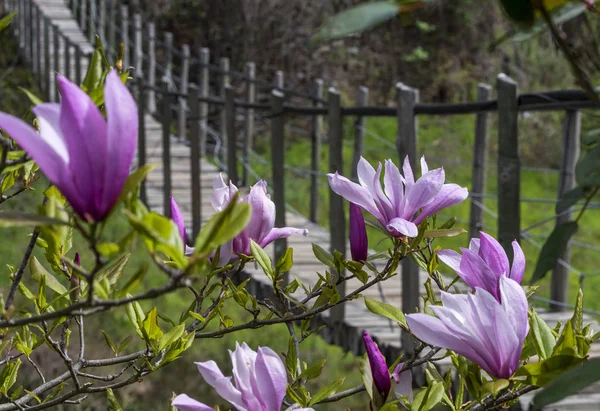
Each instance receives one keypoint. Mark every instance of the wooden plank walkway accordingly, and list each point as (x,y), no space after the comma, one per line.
(357,318)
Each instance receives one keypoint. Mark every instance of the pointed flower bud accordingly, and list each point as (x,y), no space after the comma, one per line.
(379,369)
(359,242)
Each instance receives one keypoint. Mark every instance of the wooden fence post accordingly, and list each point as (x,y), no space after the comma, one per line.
(203,81)
(28,32)
(48,72)
(92,22)
(138,54)
(559,290)
(479,164)
(167,101)
(231,140)
(195,158)
(337,220)
(168,56)
(151,67)
(224,68)
(83,15)
(141,149)
(315,155)
(183,89)
(35,45)
(359,131)
(277,169)
(125,35)
(112,25)
(248,119)
(102,23)
(406,143)
(56,59)
(509,166)
(78,78)
(67,56)
(279,80)
(74,8)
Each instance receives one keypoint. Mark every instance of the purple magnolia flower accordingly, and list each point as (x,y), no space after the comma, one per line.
(479,327)
(405,202)
(403,380)
(260,382)
(262,220)
(87,157)
(359,242)
(379,369)
(484,262)
(177,218)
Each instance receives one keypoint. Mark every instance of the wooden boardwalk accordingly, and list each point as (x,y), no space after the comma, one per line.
(357,318)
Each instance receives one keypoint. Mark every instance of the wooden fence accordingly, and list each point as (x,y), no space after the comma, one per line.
(185,106)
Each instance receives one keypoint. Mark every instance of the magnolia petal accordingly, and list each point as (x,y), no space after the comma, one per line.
(423,192)
(394,186)
(449,195)
(495,329)
(518,265)
(409,177)
(188,250)
(431,330)
(262,217)
(177,218)
(359,242)
(85,134)
(451,258)
(424,166)
(215,378)
(243,360)
(493,254)
(403,380)
(222,193)
(515,304)
(122,133)
(476,273)
(383,203)
(41,148)
(399,227)
(225,254)
(379,368)
(271,378)
(355,193)
(366,174)
(184,403)
(282,232)
(48,117)
(474,245)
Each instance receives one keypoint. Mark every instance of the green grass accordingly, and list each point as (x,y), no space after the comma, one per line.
(448,142)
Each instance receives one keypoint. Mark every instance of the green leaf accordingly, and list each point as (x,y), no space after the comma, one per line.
(429,398)
(18,219)
(577,319)
(172,336)
(542,335)
(568,384)
(541,373)
(8,376)
(553,248)
(313,371)
(109,341)
(38,271)
(569,199)
(327,391)
(160,234)
(5,21)
(35,100)
(223,226)
(150,326)
(291,359)
(495,386)
(286,261)
(356,20)
(587,170)
(114,271)
(323,256)
(95,72)
(262,259)
(386,310)
(439,233)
